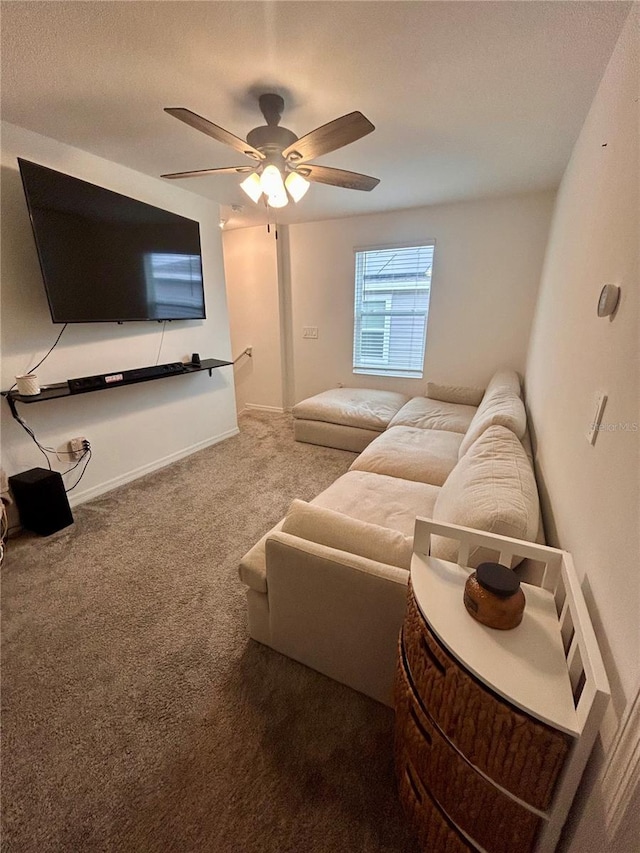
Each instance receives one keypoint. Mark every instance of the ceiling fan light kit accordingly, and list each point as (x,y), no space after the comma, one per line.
(271,182)
(296,185)
(282,168)
(278,200)
(252,187)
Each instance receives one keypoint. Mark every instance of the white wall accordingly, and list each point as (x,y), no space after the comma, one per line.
(590,493)
(487,265)
(131,429)
(252,294)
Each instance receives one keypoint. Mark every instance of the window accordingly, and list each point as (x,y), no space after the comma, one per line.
(392,292)
(174,284)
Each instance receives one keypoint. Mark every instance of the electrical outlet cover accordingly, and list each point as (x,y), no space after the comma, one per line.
(76,446)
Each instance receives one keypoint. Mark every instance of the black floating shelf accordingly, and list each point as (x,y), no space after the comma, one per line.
(61,389)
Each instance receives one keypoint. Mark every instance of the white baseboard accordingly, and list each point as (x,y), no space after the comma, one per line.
(257,408)
(101,488)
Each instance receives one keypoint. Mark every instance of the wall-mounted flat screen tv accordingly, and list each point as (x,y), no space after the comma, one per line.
(108,258)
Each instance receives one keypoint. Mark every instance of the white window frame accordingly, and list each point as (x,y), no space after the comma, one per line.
(382,367)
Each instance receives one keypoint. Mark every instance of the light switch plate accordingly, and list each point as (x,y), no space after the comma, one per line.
(309,331)
(597,419)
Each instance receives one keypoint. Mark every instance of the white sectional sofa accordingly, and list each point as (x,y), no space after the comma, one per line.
(327,585)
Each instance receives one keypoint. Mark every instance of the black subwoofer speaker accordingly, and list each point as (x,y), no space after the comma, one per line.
(41,500)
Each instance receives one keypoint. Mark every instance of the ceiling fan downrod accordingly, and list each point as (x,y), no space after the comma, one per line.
(271,107)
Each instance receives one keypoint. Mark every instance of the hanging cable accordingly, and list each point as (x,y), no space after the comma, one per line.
(31,369)
(50,450)
(164,326)
(86,455)
(33,438)
(87,449)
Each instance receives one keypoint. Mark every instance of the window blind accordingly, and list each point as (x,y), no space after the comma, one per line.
(392,289)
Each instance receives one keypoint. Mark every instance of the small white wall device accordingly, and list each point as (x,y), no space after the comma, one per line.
(608,302)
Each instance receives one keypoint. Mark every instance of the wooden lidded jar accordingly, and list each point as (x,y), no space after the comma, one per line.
(492,595)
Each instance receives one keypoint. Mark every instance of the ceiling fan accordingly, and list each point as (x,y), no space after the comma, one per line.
(282,167)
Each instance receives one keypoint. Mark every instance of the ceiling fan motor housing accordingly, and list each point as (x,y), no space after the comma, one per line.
(270,138)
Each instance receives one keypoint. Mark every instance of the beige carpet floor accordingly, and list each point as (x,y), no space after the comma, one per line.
(136,714)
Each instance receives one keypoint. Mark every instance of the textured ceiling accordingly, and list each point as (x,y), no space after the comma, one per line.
(468,98)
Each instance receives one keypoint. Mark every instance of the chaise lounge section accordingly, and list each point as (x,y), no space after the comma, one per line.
(345,418)
(327,586)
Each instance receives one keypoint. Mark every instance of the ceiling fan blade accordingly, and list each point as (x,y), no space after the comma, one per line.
(336,134)
(228,170)
(215,132)
(337,177)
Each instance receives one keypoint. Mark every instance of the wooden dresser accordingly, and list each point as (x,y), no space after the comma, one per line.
(493,728)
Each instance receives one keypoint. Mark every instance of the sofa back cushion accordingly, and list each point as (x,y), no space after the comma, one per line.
(425,413)
(335,530)
(505,380)
(501,405)
(455,394)
(492,488)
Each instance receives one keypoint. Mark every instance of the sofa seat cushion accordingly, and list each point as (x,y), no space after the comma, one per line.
(492,488)
(424,413)
(426,456)
(337,530)
(355,407)
(380,499)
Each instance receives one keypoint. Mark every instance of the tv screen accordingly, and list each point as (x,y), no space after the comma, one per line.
(108,258)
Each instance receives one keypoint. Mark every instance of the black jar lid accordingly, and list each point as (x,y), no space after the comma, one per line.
(497,579)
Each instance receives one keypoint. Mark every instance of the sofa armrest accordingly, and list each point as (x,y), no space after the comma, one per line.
(336,612)
(347,534)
